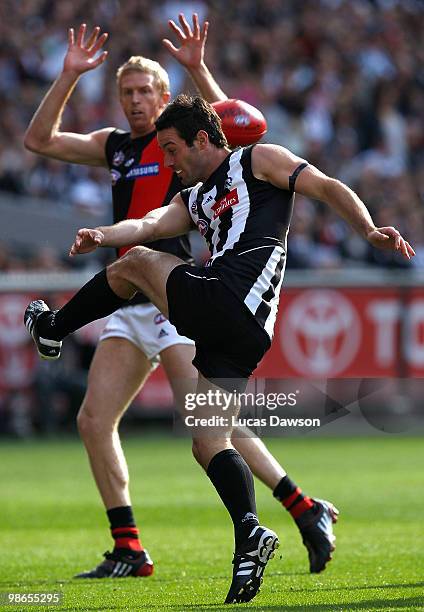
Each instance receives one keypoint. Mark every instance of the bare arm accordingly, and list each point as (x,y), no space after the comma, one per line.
(190,54)
(275,164)
(165,222)
(43,134)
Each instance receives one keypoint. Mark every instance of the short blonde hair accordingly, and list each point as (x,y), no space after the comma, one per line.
(137,63)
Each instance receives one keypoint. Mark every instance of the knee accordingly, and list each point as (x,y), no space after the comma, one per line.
(205,447)
(126,266)
(86,422)
(134,257)
(91,424)
(195,448)
(201,451)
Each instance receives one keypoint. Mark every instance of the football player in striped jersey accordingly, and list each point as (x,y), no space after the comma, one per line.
(138,335)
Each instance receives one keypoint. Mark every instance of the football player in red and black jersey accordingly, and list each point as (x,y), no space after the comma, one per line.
(137,336)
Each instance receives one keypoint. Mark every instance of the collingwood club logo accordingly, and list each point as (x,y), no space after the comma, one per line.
(202,226)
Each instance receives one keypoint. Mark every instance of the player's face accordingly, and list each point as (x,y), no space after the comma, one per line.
(185,161)
(141,101)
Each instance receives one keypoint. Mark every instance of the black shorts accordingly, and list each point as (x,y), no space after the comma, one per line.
(229,342)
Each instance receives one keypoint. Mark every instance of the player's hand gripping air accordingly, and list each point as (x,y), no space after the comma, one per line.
(192,41)
(86,240)
(389,239)
(81,54)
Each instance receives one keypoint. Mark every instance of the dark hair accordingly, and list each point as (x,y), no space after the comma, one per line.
(188,115)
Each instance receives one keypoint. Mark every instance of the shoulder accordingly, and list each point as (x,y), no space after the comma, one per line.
(185,195)
(101,136)
(115,137)
(115,140)
(271,152)
(270,160)
(189,194)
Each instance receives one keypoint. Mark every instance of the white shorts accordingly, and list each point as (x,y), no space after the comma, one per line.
(146,327)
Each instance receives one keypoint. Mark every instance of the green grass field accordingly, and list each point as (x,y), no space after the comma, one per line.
(53,525)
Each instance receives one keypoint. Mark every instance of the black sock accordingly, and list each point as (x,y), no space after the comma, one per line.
(232,478)
(93,301)
(122,516)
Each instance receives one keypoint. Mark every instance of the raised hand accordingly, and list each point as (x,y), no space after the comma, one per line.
(389,239)
(192,41)
(86,240)
(81,54)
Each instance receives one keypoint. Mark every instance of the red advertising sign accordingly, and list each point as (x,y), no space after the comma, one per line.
(347,333)
(319,333)
(17,355)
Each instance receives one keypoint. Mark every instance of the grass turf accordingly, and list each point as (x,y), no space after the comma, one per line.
(52,525)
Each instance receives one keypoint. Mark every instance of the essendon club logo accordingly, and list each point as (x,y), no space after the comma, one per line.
(224,203)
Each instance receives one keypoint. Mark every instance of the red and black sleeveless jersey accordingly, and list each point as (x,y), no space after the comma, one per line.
(141,183)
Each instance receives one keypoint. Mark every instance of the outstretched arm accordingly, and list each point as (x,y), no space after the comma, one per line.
(43,134)
(275,164)
(165,222)
(190,54)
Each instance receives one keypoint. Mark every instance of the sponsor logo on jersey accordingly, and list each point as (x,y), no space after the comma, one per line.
(194,208)
(118,158)
(225,203)
(143,170)
(115,176)
(202,226)
(163,333)
(159,318)
(129,162)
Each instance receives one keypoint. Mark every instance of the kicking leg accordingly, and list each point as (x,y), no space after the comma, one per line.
(140,269)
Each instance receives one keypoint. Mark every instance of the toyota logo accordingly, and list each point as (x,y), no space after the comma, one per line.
(321,333)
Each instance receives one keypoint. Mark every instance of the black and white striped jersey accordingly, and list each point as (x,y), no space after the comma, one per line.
(245,223)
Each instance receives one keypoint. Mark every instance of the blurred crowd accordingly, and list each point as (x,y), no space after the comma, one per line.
(341,83)
(16,260)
